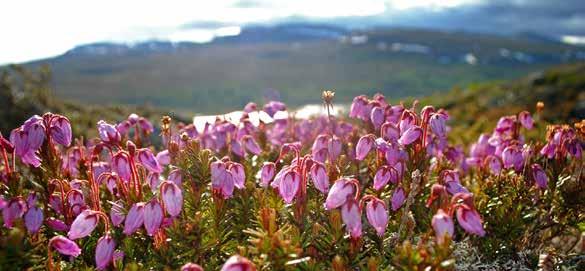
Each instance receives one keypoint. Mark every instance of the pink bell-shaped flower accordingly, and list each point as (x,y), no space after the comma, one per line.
(267,173)
(339,193)
(512,158)
(13,210)
(363,147)
(251,145)
(172,197)
(148,160)
(442,225)
(83,225)
(108,132)
(390,132)
(438,125)
(121,165)
(238,175)
(33,219)
(289,186)
(60,130)
(539,176)
(134,218)
(412,134)
(117,215)
(153,216)
(398,198)
(191,267)
(377,215)
(351,214)
(222,179)
(56,224)
(383,176)
(334,147)
(238,263)
(377,116)
(470,220)
(526,120)
(104,251)
(320,177)
(65,246)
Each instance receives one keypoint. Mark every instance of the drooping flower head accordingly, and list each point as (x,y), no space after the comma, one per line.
(172,197)
(65,246)
(104,251)
(442,225)
(83,225)
(377,215)
(351,214)
(238,263)
(340,192)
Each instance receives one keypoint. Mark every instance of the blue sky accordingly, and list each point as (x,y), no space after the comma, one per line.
(38,29)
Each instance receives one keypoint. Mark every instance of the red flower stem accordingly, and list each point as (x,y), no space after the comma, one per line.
(6,162)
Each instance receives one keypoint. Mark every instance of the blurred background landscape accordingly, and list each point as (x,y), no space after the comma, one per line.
(476,58)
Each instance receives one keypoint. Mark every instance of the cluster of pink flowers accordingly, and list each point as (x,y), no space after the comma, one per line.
(144,188)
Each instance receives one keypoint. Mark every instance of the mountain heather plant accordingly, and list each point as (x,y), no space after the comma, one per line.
(381,189)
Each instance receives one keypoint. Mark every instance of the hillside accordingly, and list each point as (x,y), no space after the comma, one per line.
(473,108)
(477,107)
(294,63)
(24,93)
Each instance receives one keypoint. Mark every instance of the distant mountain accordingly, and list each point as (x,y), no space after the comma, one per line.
(142,48)
(295,62)
(286,33)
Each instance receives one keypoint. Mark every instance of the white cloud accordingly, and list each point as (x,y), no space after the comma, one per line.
(35,29)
